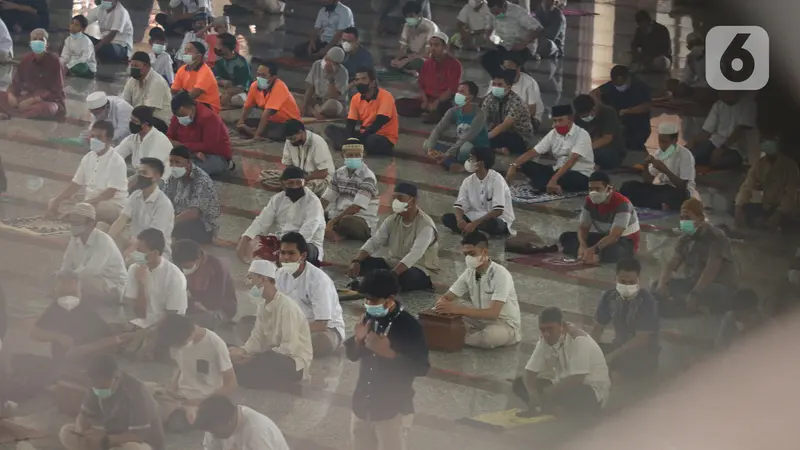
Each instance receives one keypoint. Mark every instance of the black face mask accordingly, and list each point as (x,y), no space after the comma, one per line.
(362,88)
(142,183)
(136,73)
(218,52)
(294,194)
(135,128)
(297,142)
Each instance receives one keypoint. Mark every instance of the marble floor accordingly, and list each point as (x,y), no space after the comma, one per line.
(460,385)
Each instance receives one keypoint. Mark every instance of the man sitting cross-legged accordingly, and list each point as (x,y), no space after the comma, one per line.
(270,94)
(493,319)
(194,198)
(604,128)
(146,88)
(314,291)
(212,293)
(204,369)
(236,427)
(146,140)
(232,71)
(507,116)
(308,151)
(326,87)
(196,126)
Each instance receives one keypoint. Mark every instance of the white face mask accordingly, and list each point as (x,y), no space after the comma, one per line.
(178,172)
(627,290)
(470,166)
(191,270)
(290,267)
(398,206)
(598,197)
(473,262)
(347,47)
(68,302)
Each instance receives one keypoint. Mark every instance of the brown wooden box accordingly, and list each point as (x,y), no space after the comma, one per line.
(443,332)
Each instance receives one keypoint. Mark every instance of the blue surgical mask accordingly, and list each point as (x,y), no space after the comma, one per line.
(102,393)
(498,92)
(263,83)
(412,21)
(688,227)
(663,155)
(185,120)
(257,291)
(38,47)
(460,99)
(106,4)
(96,145)
(353,163)
(376,310)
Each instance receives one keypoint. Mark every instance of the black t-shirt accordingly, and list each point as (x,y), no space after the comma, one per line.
(605,122)
(82,324)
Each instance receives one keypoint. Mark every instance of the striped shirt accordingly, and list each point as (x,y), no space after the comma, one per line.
(617,211)
(357,187)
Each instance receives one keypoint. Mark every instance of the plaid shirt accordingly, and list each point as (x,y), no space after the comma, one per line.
(358,187)
(196,192)
(510,106)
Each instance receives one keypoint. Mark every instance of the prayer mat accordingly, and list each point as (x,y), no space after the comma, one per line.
(504,420)
(348,294)
(73,141)
(36,226)
(524,193)
(392,75)
(12,432)
(577,12)
(556,262)
(290,61)
(653,214)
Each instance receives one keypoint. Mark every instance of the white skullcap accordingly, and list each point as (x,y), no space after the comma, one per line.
(83,209)
(96,100)
(263,267)
(441,36)
(668,128)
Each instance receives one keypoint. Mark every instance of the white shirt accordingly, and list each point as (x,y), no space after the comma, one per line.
(304,216)
(681,163)
(162,65)
(494,285)
(6,43)
(254,431)
(116,19)
(155,211)
(98,257)
(78,48)
(478,197)
(314,155)
(98,173)
(416,38)
(192,6)
(200,366)
(723,119)
(282,327)
(154,145)
(513,28)
(152,91)
(329,23)
(576,141)
(191,36)
(344,191)
(316,294)
(528,89)
(475,20)
(166,291)
(579,355)
(119,114)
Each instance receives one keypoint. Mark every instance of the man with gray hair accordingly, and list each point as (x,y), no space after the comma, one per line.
(326,87)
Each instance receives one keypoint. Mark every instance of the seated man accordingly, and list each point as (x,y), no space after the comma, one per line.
(631,99)
(332,20)
(212,292)
(351,200)
(314,292)
(179,16)
(118,412)
(438,83)
(526,87)
(116,29)
(356,55)
(94,257)
(160,58)
(567,373)
(326,87)
(25,15)
(508,117)
(194,198)
(204,370)
(472,21)
(197,127)
(633,312)
(417,33)
(279,349)
(294,209)
(718,145)
(668,176)
(551,41)
(493,318)
(768,195)
(77,55)
(232,71)
(37,89)
(516,30)
(236,427)
(604,128)
(145,141)
(484,199)
(410,239)
(112,109)
(308,151)
(148,88)
(571,147)
(201,33)
(614,219)
(692,83)
(651,47)
(270,94)
(710,271)
(147,207)
(376,111)
(196,78)
(101,174)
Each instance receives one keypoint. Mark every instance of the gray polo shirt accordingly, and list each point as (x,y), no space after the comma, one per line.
(320,79)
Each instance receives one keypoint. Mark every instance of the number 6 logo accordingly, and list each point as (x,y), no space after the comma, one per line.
(737,58)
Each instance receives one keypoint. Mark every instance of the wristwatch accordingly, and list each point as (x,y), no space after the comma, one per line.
(514,165)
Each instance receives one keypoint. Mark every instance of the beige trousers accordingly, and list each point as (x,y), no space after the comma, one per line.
(488,336)
(71,441)
(389,434)
(105,211)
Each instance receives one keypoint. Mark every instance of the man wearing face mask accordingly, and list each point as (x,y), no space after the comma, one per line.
(720,144)
(604,128)
(470,121)
(472,21)
(692,83)
(633,312)
(614,219)
(526,87)
(417,33)
(631,99)
(197,127)
(194,197)
(147,207)
(196,78)
(279,348)
(148,88)
(308,151)
(411,242)
(356,55)
(389,344)
(651,47)
(516,30)
(118,412)
(294,209)
(314,292)
(145,141)
(116,27)
(37,89)
(212,293)
(270,94)
(493,318)
(236,427)
(508,117)
(332,20)
(326,87)
(112,109)
(94,257)
(484,199)
(232,71)
(198,33)
(101,174)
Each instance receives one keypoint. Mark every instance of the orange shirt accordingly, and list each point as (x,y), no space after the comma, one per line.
(277,97)
(202,78)
(366,111)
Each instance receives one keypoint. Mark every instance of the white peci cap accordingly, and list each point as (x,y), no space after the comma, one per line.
(263,267)
(96,100)
(668,128)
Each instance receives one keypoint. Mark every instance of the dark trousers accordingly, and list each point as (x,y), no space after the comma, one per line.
(301,49)
(540,175)
(273,131)
(703,156)
(653,196)
(26,20)
(510,140)
(412,107)
(313,254)
(642,361)
(194,230)
(110,52)
(174,27)
(492,60)
(608,157)
(635,138)
(577,401)
(160,125)
(754,213)
(716,297)
(621,249)
(374,144)
(268,370)
(493,227)
(412,279)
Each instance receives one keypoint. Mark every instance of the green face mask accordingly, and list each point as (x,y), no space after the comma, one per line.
(103,393)
(502,15)
(769,147)
(688,227)
(663,155)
